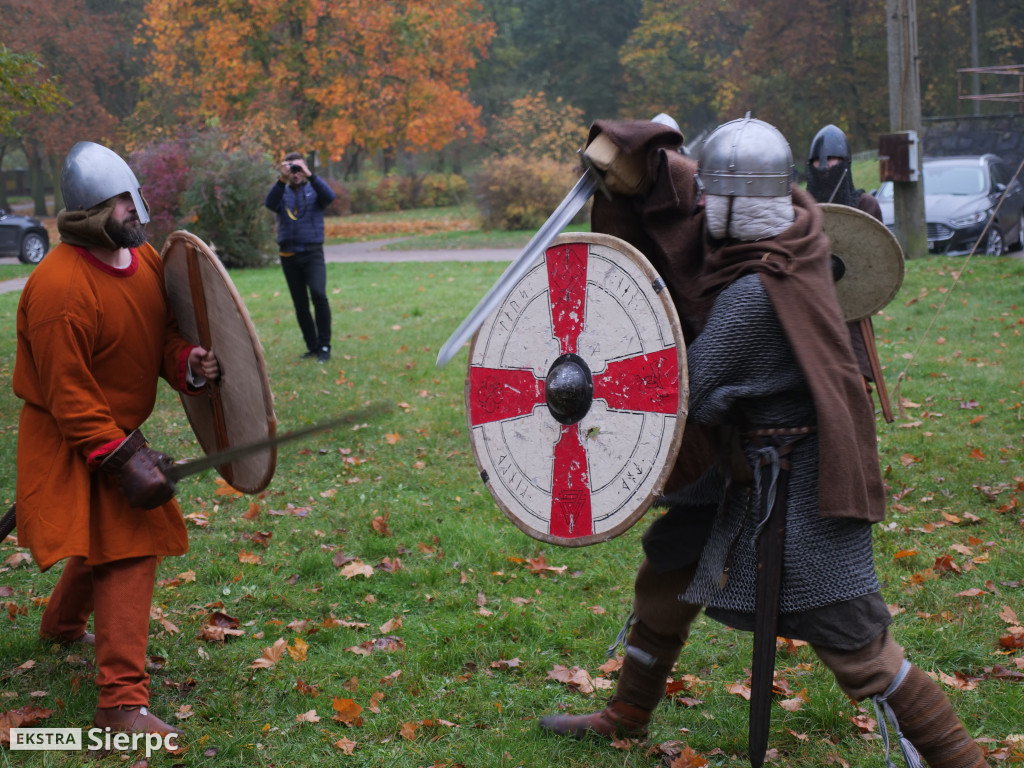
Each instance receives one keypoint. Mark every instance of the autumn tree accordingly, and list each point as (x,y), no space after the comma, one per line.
(305,74)
(21,93)
(566,49)
(539,127)
(797,66)
(80,46)
(801,66)
(944,29)
(673,61)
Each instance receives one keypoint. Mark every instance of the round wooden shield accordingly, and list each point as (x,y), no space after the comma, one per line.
(870,260)
(576,392)
(238,409)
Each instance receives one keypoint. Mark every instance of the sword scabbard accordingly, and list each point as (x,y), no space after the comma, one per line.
(868,332)
(770,547)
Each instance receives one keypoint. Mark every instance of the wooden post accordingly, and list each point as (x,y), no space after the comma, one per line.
(905,115)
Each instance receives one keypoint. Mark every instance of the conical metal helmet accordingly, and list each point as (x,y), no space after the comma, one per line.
(830,141)
(93,173)
(746,158)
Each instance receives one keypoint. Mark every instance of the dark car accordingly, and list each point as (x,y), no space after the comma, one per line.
(24,237)
(960,196)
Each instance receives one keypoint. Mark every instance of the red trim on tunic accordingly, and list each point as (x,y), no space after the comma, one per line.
(128,271)
(97,456)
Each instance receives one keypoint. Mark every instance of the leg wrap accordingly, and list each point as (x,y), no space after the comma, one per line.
(653,636)
(642,680)
(645,670)
(659,630)
(922,720)
(918,706)
(868,671)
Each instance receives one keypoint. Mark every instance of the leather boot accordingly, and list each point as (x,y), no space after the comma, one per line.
(924,715)
(642,680)
(132,720)
(617,720)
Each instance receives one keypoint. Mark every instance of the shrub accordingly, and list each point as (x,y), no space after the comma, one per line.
(224,201)
(213,189)
(377,194)
(440,189)
(163,172)
(400,193)
(341,205)
(516,193)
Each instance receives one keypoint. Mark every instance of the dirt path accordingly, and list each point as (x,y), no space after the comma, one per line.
(354,252)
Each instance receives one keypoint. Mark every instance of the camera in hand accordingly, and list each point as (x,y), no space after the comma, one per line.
(295,168)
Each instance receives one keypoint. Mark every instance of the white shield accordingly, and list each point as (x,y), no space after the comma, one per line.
(576,392)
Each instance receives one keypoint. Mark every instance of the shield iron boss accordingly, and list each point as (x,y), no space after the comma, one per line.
(239,408)
(576,392)
(867,261)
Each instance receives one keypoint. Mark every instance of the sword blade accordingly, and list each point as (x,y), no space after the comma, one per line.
(515,271)
(194,466)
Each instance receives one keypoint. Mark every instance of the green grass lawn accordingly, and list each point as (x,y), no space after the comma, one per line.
(446,638)
(865,174)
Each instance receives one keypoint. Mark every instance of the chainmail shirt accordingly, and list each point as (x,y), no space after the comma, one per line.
(743,374)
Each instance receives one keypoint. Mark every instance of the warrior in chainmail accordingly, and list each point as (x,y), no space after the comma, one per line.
(775,391)
(829,168)
(830,180)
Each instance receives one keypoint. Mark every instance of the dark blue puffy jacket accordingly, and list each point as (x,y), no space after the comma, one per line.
(300,213)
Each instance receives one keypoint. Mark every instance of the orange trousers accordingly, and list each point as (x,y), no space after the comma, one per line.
(118,594)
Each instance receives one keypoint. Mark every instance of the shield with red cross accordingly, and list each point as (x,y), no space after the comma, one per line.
(577,391)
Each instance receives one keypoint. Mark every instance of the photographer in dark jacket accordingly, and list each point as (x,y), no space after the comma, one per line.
(299,199)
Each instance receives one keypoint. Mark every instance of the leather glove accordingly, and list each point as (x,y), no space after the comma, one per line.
(623,174)
(141,472)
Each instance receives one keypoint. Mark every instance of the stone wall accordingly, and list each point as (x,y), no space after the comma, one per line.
(975,135)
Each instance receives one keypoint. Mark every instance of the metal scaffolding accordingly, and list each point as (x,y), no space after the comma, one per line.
(1011,70)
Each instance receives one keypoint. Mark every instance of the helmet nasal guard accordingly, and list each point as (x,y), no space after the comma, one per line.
(93,173)
(746,158)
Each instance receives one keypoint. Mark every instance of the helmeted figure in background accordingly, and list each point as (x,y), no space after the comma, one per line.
(792,481)
(830,180)
(830,172)
(299,198)
(95,335)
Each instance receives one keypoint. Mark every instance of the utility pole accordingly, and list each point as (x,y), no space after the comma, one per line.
(975,77)
(905,115)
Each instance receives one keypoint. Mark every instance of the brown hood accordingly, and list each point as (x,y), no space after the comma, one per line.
(87,229)
(795,268)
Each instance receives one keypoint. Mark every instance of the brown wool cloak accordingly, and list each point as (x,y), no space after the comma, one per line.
(667,225)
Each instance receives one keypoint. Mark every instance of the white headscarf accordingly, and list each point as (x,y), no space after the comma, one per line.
(752,218)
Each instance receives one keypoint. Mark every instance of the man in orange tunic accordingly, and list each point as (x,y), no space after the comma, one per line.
(95,334)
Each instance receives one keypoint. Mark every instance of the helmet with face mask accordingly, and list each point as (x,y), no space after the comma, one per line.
(835,184)
(746,169)
(93,173)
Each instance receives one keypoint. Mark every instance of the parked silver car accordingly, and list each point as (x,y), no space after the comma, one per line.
(960,196)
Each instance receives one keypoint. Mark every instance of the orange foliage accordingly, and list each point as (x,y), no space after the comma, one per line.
(349,227)
(308,74)
(538,127)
